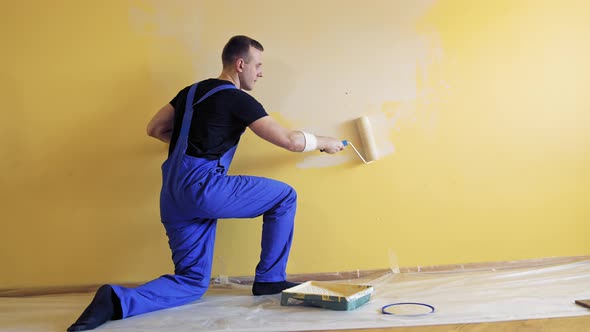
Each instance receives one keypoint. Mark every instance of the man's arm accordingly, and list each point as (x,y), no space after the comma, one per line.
(161,125)
(292,140)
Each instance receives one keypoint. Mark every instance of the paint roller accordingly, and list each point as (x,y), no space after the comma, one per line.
(365,131)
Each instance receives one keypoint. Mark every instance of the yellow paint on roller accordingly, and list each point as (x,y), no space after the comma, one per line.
(365,131)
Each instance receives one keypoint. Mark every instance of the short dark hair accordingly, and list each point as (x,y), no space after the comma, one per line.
(238,47)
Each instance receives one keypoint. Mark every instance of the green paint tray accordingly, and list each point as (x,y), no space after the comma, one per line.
(327,295)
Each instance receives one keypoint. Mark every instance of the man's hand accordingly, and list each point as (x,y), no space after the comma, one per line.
(329,144)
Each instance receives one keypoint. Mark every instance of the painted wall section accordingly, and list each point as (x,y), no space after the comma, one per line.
(479,112)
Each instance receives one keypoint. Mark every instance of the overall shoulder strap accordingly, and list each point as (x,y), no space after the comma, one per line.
(187,118)
(188,111)
(188,114)
(214,90)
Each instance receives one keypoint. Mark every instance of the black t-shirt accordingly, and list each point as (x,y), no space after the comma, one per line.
(218,121)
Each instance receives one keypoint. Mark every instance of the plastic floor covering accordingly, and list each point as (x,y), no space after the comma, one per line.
(458,297)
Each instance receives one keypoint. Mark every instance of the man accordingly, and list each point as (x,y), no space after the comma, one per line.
(203,125)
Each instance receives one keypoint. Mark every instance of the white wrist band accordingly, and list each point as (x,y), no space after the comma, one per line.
(311,142)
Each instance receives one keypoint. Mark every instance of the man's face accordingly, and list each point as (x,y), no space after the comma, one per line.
(252,69)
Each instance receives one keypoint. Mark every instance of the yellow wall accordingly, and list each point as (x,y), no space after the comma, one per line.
(480,111)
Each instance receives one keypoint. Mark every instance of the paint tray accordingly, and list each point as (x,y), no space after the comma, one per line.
(335,296)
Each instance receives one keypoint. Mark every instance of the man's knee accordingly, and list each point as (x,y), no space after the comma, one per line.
(199,281)
(291,195)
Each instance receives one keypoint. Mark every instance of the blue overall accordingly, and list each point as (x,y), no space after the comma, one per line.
(195,193)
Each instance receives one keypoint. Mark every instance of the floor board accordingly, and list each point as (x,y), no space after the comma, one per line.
(567,324)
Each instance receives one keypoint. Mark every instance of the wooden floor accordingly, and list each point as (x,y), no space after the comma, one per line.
(568,324)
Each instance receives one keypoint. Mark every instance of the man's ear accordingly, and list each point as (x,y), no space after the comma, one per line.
(240,65)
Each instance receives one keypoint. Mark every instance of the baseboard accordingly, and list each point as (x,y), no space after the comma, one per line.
(346,275)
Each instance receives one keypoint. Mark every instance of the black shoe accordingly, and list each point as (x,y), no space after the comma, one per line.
(268,288)
(104,307)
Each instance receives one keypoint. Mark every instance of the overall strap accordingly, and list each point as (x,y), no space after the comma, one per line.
(214,90)
(188,112)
